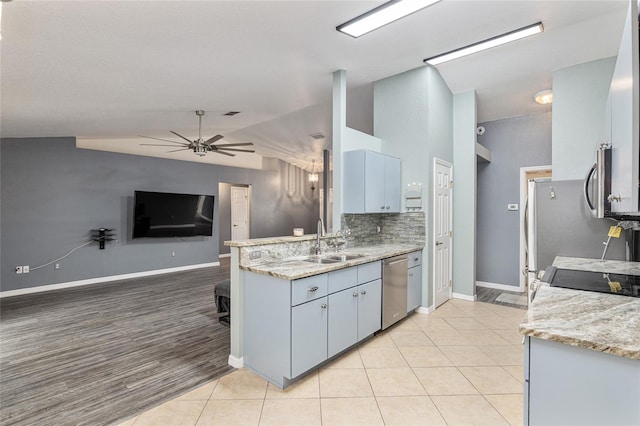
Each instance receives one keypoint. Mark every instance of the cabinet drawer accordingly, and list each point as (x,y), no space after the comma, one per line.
(415,258)
(369,272)
(343,278)
(310,288)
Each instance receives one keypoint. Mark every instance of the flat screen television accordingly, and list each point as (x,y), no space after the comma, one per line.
(166,215)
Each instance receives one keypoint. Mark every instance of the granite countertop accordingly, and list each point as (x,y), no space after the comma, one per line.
(603,322)
(296,267)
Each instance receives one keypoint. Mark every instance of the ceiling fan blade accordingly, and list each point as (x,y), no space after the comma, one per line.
(164,140)
(235,144)
(157,144)
(181,149)
(213,139)
(180,136)
(222,152)
(236,150)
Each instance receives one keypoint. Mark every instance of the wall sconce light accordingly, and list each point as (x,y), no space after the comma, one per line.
(313,177)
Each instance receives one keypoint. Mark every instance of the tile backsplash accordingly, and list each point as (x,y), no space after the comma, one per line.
(394,228)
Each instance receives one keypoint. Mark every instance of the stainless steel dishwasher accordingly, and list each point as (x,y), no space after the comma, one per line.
(394,290)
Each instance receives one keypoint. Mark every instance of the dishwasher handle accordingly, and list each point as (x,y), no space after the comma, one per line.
(395,262)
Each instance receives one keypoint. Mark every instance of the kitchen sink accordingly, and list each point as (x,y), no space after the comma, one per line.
(344,257)
(321,260)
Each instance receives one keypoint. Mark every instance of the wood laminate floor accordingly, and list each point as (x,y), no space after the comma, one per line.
(96,355)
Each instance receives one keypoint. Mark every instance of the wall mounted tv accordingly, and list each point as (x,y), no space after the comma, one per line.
(166,215)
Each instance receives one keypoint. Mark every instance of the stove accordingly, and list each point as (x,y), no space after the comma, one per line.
(619,284)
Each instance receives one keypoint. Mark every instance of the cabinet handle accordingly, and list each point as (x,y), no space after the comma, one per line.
(315,288)
(411,274)
(388,207)
(323,306)
(381,207)
(355,294)
(415,259)
(363,292)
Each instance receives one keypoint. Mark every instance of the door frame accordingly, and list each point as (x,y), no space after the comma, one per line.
(444,163)
(523,201)
(248,187)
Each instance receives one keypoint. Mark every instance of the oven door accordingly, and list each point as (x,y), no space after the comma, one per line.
(597,184)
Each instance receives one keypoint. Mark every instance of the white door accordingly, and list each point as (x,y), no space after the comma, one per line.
(442,218)
(239,213)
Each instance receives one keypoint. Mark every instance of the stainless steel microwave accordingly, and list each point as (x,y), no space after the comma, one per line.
(597,184)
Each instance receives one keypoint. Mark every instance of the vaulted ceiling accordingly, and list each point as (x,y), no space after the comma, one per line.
(109,71)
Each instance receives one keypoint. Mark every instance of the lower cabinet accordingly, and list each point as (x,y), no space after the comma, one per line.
(308,335)
(292,326)
(414,281)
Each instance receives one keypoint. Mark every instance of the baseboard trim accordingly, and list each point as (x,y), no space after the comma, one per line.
(100,280)
(464,297)
(236,362)
(503,287)
(425,310)
(225,255)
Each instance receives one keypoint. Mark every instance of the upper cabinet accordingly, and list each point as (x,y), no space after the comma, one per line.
(622,117)
(371,182)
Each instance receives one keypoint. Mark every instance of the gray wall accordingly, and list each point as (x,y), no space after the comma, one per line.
(53,194)
(514,143)
(413,116)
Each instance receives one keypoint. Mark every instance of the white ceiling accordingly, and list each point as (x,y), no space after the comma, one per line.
(108,71)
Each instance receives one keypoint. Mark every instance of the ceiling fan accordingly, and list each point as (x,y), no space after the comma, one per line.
(200,146)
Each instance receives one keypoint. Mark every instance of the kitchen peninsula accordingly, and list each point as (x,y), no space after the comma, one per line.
(582,352)
(290,311)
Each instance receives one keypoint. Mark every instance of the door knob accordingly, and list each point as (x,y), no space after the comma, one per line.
(438,243)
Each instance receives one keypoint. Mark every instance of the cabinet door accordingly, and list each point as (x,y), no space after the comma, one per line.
(308,335)
(414,288)
(342,321)
(369,308)
(374,178)
(392,179)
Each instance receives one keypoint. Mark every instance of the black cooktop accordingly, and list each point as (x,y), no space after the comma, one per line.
(620,284)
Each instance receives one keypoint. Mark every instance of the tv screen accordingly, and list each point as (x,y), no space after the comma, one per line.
(166,215)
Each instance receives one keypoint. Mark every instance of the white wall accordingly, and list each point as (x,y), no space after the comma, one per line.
(579,97)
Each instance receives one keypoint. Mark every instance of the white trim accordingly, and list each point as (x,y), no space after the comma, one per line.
(504,287)
(523,202)
(425,311)
(465,297)
(235,362)
(70,284)
(444,163)
(225,255)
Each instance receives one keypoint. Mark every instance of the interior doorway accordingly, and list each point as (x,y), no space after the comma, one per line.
(442,232)
(240,212)
(526,227)
(226,218)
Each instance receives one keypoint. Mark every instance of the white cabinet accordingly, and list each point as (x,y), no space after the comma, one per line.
(290,327)
(371,182)
(568,385)
(414,280)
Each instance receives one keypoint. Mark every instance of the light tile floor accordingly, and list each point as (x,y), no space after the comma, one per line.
(460,365)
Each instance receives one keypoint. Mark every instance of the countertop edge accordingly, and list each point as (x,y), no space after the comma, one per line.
(324,268)
(580,343)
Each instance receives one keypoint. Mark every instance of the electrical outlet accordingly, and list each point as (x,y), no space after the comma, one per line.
(25,269)
(18,269)
(173,254)
(256,254)
(56,266)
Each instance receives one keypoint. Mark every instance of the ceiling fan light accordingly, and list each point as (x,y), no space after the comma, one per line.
(382,15)
(544,97)
(486,44)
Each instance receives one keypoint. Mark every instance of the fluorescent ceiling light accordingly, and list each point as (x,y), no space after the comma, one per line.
(486,44)
(382,15)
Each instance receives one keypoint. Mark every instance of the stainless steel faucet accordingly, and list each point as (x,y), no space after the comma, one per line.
(321,233)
